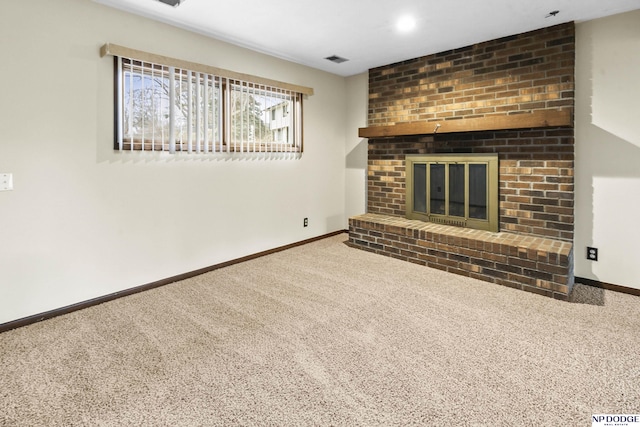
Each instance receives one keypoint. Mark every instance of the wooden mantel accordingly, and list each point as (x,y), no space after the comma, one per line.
(534,119)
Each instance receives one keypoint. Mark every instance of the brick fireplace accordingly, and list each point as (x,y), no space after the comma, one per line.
(512,96)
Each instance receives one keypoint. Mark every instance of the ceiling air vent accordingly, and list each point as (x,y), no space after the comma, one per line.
(174,3)
(337,59)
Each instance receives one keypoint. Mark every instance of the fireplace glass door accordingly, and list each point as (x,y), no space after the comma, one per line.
(478,203)
(457,190)
(436,189)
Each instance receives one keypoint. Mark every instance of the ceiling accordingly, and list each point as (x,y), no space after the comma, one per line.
(365,31)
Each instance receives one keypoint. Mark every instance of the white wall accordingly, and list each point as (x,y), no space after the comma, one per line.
(608,149)
(356,147)
(84,221)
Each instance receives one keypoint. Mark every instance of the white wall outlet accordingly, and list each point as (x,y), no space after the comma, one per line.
(6,181)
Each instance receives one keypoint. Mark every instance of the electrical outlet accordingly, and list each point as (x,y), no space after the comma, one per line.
(592,253)
(305,223)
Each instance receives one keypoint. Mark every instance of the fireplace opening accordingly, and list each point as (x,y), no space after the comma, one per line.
(453,189)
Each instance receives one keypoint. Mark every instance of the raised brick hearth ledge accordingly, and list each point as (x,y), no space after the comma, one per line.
(535,264)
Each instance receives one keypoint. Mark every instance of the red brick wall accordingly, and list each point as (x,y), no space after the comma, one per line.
(521,73)
(536,175)
(507,76)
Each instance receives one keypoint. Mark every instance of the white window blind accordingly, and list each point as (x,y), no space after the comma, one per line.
(161,106)
(263,118)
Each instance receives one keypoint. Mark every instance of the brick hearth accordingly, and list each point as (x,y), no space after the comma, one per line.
(534,264)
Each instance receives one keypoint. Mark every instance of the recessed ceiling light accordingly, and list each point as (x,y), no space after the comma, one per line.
(337,59)
(406,24)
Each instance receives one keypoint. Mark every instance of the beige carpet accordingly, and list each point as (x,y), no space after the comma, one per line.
(327,335)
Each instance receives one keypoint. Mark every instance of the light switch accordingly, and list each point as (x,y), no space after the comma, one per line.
(6,181)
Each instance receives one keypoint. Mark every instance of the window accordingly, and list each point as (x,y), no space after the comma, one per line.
(163,104)
(164,108)
(451,189)
(258,120)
